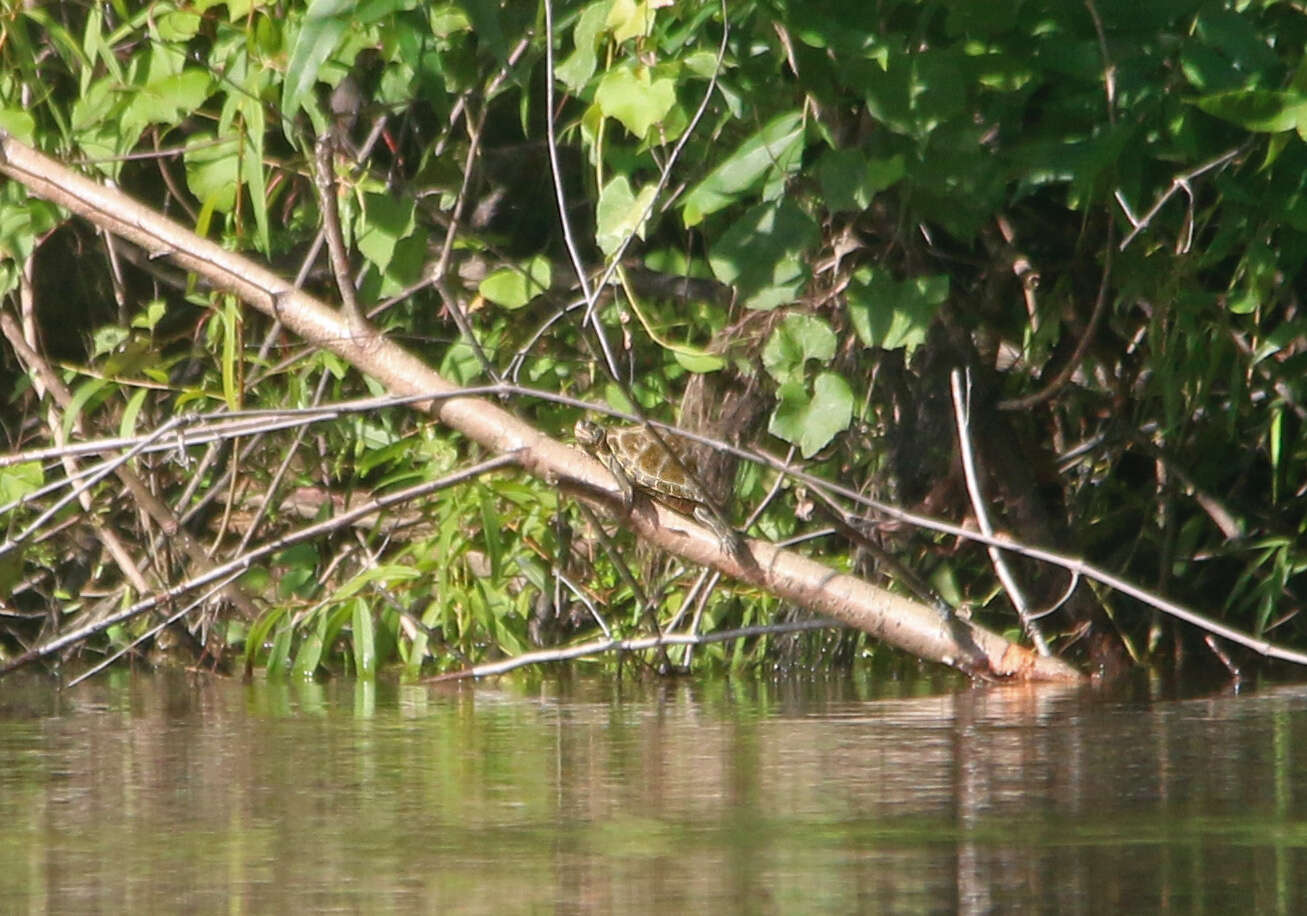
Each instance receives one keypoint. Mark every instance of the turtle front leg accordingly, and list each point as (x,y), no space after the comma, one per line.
(730,538)
(623,484)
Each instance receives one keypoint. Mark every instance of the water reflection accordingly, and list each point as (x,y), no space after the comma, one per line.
(158,793)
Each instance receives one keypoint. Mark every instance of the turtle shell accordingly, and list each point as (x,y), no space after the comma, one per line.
(661,465)
(650,466)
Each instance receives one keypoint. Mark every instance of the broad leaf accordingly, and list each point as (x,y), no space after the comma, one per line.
(765,253)
(811,421)
(514,287)
(797,339)
(779,145)
(620,214)
(891,314)
(635,98)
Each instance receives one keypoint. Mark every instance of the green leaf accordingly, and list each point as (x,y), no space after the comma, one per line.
(167,99)
(886,313)
(778,146)
(232,321)
(17,480)
(849,180)
(386,574)
(620,214)
(765,254)
(634,98)
(797,339)
(698,363)
(178,26)
(576,71)
(917,92)
(127,427)
(18,124)
(365,640)
(460,364)
(629,19)
(279,654)
(1258,110)
(514,287)
(385,220)
(22,220)
(213,171)
(309,655)
(319,35)
(812,421)
(492,532)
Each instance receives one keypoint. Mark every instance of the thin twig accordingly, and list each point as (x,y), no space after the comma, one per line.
(1178,183)
(599,647)
(325,178)
(207,596)
(961,401)
(245,561)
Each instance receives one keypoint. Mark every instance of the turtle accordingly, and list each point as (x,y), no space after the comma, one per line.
(664,470)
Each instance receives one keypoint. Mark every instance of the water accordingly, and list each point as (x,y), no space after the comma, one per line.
(147,794)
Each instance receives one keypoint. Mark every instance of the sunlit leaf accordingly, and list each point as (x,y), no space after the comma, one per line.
(778,145)
(514,287)
(18,124)
(892,314)
(1260,110)
(765,254)
(365,640)
(17,480)
(797,339)
(629,19)
(576,71)
(811,421)
(620,214)
(213,171)
(633,97)
(169,98)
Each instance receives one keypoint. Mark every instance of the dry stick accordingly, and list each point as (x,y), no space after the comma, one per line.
(1075,565)
(884,615)
(265,504)
(1015,595)
(325,178)
(210,427)
(280,418)
(160,513)
(44,377)
(601,646)
(1178,183)
(1100,306)
(436,275)
(246,560)
(560,199)
(1082,345)
(155,630)
(221,425)
(441,267)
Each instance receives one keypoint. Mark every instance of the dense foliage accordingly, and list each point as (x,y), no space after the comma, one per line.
(804,215)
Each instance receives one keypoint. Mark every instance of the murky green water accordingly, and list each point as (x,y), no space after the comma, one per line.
(145,794)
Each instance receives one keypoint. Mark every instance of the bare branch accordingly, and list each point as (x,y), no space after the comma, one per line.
(599,647)
(1015,594)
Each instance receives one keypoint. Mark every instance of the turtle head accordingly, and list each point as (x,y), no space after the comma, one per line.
(588,433)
